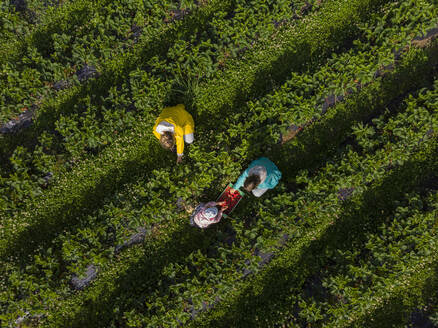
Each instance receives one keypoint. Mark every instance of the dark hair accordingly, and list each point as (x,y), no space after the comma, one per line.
(251,182)
(167,140)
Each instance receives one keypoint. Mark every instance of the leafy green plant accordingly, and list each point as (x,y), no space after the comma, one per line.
(354,205)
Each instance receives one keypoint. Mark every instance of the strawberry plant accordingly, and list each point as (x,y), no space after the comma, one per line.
(93,231)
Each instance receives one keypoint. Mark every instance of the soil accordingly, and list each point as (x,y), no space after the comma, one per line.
(20,5)
(137,238)
(424,41)
(90,275)
(290,133)
(86,72)
(23,121)
(345,193)
(61,85)
(419,319)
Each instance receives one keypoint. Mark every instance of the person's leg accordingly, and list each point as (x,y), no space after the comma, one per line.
(189,138)
(259,191)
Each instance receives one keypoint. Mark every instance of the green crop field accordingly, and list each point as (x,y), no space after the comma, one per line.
(342,95)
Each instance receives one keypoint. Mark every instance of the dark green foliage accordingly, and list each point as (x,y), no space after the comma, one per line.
(348,237)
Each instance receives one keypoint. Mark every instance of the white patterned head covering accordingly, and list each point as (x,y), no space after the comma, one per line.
(206,217)
(211,212)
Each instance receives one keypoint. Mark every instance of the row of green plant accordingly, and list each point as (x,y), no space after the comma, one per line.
(20,19)
(74,141)
(91,115)
(227,37)
(373,181)
(324,131)
(20,186)
(90,34)
(292,49)
(55,211)
(379,90)
(360,279)
(31,158)
(193,56)
(69,18)
(39,149)
(206,265)
(234,173)
(301,99)
(195,59)
(135,318)
(403,282)
(379,281)
(203,178)
(16,222)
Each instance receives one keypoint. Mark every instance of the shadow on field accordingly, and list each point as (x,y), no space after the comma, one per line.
(98,88)
(261,303)
(65,216)
(314,145)
(322,138)
(68,213)
(409,307)
(58,219)
(141,279)
(269,77)
(399,311)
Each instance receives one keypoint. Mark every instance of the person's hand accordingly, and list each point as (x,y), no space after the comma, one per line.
(232,190)
(189,209)
(223,205)
(178,159)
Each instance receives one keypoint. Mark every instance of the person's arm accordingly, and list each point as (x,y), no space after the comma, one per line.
(241,180)
(179,147)
(200,208)
(218,216)
(179,140)
(210,204)
(189,129)
(222,204)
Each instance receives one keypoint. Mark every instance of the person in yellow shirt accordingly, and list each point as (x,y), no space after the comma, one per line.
(175,126)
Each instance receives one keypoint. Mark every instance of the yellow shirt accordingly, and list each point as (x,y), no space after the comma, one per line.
(182,122)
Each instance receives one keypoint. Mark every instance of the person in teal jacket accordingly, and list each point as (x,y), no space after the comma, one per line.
(261,175)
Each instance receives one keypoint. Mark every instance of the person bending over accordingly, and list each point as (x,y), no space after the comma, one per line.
(206,214)
(261,175)
(173,127)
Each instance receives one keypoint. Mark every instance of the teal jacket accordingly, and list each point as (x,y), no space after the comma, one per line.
(273,174)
